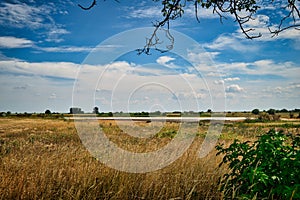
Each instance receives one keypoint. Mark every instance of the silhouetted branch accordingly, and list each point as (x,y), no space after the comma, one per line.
(171,12)
(172,9)
(293,13)
(242,11)
(234,7)
(91,6)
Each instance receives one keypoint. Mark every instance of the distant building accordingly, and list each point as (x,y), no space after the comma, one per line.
(75,110)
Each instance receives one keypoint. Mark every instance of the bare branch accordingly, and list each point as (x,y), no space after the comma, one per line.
(276,32)
(241,10)
(293,13)
(196,11)
(88,8)
(243,20)
(171,12)
(92,5)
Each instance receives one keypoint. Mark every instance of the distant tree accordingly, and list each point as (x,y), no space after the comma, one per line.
(157,113)
(209,110)
(47,112)
(283,110)
(255,111)
(96,110)
(8,113)
(271,111)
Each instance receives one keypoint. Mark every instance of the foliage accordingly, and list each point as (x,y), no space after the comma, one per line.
(255,111)
(103,114)
(168,134)
(96,110)
(139,114)
(269,168)
(264,117)
(271,111)
(47,112)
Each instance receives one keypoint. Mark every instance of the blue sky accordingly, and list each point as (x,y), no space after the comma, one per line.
(54,55)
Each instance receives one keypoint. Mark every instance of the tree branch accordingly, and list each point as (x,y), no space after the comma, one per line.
(88,8)
(173,9)
(92,5)
(171,12)
(293,13)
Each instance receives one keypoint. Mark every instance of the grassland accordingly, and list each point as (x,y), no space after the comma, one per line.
(45,159)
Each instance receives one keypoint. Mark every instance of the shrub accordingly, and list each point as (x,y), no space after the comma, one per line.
(255,111)
(269,168)
(264,117)
(271,111)
(168,133)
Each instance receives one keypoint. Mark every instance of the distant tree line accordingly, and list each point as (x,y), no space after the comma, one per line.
(294,113)
(272,111)
(46,114)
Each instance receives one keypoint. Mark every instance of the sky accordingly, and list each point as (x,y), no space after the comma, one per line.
(54,55)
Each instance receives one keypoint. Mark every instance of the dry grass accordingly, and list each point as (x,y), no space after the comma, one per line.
(45,159)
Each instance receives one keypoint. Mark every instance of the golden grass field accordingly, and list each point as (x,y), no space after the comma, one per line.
(45,159)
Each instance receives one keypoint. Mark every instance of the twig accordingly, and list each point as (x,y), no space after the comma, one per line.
(88,8)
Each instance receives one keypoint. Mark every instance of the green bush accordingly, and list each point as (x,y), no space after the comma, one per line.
(168,133)
(269,168)
(255,111)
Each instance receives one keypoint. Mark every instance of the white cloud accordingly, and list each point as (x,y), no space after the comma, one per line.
(130,83)
(66,49)
(53,96)
(155,12)
(192,95)
(48,69)
(202,12)
(163,60)
(258,21)
(219,82)
(261,24)
(225,42)
(202,57)
(21,15)
(294,86)
(146,12)
(55,33)
(13,42)
(33,17)
(234,89)
(232,79)
(287,70)
(70,49)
